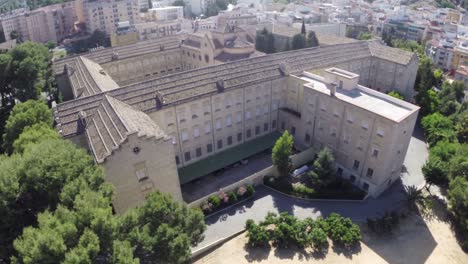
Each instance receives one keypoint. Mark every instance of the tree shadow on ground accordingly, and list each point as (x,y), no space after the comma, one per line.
(256,254)
(410,242)
(348,252)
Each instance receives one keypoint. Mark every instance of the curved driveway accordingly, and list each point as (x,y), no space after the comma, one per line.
(232,220)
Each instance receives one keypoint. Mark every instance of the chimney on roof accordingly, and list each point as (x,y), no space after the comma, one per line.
(159,100)
(220,86)
(332,88)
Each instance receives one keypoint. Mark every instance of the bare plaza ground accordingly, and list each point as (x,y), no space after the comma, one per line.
(415,241)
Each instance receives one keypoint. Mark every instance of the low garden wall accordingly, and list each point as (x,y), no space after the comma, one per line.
(257,178)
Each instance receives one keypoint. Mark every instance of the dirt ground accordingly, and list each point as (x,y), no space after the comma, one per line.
(415,241)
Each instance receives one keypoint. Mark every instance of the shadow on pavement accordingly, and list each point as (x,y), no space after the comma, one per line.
(411,242)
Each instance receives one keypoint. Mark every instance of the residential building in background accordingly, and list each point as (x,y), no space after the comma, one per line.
(125,34)
(50,23)
(104,15)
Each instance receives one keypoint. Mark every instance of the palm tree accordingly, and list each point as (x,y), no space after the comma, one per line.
(414,196)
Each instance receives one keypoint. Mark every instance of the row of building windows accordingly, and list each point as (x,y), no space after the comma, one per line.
(229,142)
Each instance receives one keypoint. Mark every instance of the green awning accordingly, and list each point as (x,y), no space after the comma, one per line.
(227,157)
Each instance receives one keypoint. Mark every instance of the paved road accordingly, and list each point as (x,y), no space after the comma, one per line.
(231,221)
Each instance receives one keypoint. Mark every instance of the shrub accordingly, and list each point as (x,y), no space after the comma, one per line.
(258,236)
(319,239)
(241,191)
(207,207)
(284,235)
(223,197)
(300,190)
(214,200)
(232,197)
(249,223)
(343,231)
(250,190)
(281,184)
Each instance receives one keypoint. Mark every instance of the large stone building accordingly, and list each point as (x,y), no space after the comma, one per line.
(152,132)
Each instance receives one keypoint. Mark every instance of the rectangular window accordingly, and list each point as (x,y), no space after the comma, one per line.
(229,121)
(187,156)
(273,124)
(375,153)
(209,148)
(370,172)
(198,152)
(207,127)
(293,130)
(239,137)
(356,164)
(265,109)
(365,125)
(247,115)
(220,144)
(239,117)
(184,136)
(257,130)
(380,132)
(140,171)
(265,127)
(177,160)
(283,125)
(257,110)
(352,178)
(307,138)
(229,140)
(218,124)
(249,133)
(196,132)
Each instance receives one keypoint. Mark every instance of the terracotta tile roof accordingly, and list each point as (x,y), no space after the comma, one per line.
(184,86)
(112,122)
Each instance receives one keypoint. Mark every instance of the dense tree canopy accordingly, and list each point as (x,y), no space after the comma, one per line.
(281,153)
(34,134)
(23,115)
(265,41)
(323,172)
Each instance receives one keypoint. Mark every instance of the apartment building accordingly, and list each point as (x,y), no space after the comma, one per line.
(104,15)
(166,13)
(50,23)
(441,52)
(160,132)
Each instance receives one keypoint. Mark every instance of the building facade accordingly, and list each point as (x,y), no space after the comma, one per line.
(104,15)
(187,118)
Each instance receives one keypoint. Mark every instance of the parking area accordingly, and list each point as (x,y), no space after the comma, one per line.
(215,181)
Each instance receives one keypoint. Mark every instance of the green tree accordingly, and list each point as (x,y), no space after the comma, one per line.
(14,34)
(323,172)
(319,239)
(414,196)
(438,127)
(162,229)
(303,28)
(461,127)
(5,78)
(30,66)
(396,95)
(312,40)
(365,36)
(458,200)
(265,41)
(123,253)
(281,153)
(298,42)
(435,171)
(51,44)
(34,134)
(23,115)
(342,230)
